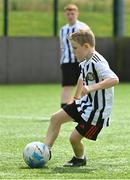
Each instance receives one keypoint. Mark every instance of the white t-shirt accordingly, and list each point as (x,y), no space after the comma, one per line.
(96,107)
(67,55)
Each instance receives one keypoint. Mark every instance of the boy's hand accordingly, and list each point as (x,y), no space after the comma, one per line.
(86,89)
(73,99)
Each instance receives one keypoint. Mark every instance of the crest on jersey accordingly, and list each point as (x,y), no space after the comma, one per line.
(90,76)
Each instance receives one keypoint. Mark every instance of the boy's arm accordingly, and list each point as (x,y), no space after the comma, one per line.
(107,83)
(79,89)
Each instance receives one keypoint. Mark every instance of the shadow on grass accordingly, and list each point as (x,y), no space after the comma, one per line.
(28,168)
(72,170)
(61,170)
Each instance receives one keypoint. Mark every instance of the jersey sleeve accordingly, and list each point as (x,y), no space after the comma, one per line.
(104,71)
(84,25)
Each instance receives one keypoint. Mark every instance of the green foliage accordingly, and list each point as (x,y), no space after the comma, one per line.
(20,109)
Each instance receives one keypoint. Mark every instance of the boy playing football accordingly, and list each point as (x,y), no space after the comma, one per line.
(91,112)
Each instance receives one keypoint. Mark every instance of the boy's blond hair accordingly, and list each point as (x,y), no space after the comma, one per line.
(71,7)
(83,36)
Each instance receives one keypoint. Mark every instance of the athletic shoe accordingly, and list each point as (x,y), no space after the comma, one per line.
(76,162)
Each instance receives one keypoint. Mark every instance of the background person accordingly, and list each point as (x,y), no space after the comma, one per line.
(69,64)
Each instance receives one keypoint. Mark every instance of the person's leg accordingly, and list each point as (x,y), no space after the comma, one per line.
(70,74)
(75,140)
(56,121)
(66,94)
(79,159)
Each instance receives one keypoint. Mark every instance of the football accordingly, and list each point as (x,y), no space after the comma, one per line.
(36,154)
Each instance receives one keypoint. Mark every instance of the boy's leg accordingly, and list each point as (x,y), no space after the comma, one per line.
(79,159)
(56,121)
(75,140)
(70,75)
(66,94)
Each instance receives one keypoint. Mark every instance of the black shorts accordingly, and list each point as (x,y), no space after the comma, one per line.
(86,130)
(70,73)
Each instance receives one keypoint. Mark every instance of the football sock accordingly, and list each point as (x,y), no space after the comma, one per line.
(63,104)
(81,157)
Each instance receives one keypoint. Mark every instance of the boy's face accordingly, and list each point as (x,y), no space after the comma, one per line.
(71,16)
(80,52)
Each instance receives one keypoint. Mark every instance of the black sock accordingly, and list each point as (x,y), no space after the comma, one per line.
(63,104)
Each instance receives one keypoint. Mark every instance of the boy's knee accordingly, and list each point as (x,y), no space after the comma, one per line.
(54,120)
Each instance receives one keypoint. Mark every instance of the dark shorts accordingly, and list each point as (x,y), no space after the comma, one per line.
(86,130)
(70,73)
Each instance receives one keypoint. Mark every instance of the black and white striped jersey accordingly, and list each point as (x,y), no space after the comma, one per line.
(67,55)
(95,108)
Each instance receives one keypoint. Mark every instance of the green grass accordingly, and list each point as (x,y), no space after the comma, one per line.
(109,156)
(37,23)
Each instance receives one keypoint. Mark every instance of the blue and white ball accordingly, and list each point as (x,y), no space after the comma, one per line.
(36,154)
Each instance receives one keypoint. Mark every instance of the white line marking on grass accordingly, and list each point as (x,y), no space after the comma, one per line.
(24,117)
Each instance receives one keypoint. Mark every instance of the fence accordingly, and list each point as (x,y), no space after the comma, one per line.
(28,57)
(36,60)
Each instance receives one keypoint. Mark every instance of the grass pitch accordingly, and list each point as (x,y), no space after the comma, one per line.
(24,112)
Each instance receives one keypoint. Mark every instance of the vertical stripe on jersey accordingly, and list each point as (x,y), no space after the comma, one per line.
(83,75)
(100,120)
(95,73)
(73,30)
(62,33)
(63,55)
(89,95)
(95,97)
(68,46)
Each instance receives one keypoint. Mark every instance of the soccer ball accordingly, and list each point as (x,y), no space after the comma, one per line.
(36,154)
